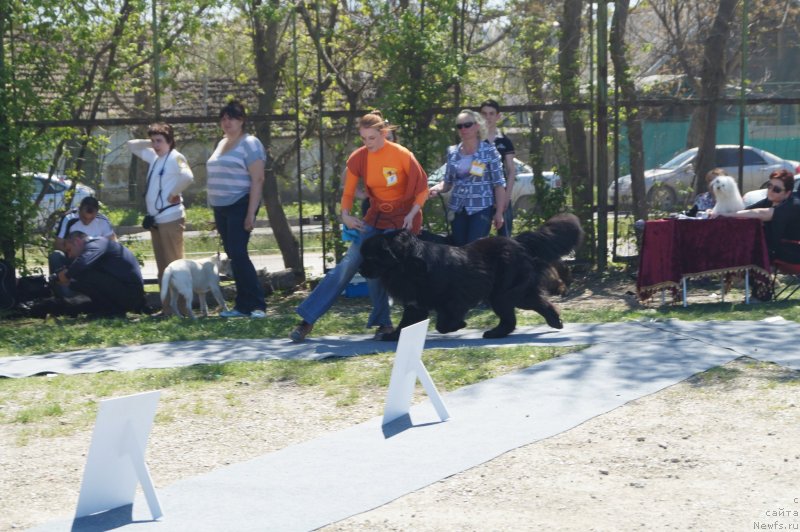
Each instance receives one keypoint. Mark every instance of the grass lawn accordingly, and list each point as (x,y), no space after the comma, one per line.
(52,405)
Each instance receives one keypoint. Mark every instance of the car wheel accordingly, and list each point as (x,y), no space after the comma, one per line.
(661,198)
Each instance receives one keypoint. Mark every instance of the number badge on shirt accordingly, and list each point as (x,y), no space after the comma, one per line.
(477,168)
(390,174)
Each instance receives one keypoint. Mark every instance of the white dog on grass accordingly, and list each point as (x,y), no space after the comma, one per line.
(188,277)
(726,194)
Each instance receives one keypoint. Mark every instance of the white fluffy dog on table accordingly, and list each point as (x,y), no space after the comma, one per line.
(727,196)
(186,277)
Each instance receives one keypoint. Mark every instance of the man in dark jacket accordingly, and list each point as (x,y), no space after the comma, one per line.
(106,272)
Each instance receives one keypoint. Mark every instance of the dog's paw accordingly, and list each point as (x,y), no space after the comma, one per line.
(448,327)
(496,333)
(388,337)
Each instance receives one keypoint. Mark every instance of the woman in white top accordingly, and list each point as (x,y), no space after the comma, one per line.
(168,176)
(235,185)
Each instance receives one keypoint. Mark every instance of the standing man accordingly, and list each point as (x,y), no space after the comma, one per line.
(105,271)
(490,110)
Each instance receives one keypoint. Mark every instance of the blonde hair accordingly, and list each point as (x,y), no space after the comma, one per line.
(714,173)
(476,117)
(374,120)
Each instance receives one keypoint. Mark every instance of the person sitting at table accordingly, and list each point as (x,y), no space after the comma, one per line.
(705,201)
(780,212)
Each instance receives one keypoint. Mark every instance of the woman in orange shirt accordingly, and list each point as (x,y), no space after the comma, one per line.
(397,188)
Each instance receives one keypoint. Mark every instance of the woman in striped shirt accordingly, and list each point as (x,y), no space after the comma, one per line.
(235,184)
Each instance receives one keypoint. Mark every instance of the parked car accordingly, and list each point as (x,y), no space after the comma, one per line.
(522,195)
(55,199)
(672,181)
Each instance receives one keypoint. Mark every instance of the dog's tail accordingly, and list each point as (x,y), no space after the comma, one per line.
(559,236)
(165,286)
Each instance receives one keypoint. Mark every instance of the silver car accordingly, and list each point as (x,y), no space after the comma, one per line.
(522,195)
(672,182)
(55,199)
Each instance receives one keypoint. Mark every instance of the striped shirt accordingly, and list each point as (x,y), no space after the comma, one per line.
(228,174)
(473,177)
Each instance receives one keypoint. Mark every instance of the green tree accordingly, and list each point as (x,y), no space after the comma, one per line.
(622,73)
(569,82)
(417,67)
(271,21)
(67,62)
(535,46)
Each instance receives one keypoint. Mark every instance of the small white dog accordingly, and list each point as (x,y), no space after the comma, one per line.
(727,195)
(188,277)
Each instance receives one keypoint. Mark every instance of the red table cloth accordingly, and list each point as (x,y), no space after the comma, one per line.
(676,248)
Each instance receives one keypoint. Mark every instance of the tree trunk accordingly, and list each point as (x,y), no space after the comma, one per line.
(269,66)
(713,81)
(578,178)
(634,123)
(8,218)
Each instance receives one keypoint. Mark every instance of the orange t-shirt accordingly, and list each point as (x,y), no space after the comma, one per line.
(386,176)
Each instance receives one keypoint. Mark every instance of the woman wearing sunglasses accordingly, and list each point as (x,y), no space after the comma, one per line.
(780,212)
(475,174)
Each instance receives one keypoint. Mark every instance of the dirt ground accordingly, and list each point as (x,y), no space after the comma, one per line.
(720,451)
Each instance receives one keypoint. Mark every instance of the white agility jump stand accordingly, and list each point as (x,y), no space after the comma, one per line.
(407,368)
(115,464)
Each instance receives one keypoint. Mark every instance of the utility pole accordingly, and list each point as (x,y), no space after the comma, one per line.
(602,135)
(156,63)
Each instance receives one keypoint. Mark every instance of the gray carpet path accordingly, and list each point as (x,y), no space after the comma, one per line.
(321,481)
(181,354)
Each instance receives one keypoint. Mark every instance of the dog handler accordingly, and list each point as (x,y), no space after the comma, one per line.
(397,188)
(168,176)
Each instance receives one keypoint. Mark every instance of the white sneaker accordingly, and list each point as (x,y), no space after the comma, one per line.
(233,313)
(258,314)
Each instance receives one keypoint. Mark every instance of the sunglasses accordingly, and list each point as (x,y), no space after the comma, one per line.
(777,190)
(465,125)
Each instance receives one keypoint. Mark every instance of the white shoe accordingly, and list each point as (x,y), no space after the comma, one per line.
(233,313)
(258,314)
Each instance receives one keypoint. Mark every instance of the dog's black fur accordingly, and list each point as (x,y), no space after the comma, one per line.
(504,272)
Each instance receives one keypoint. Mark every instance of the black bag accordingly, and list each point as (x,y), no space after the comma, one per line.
(8,286)
(33,287)
(149,221)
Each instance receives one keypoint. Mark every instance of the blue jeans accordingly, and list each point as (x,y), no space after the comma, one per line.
(331,286)
(230,226)
(58,260)
(470,227)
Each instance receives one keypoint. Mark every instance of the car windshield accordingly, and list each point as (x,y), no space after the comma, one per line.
(522,168)
(679,160)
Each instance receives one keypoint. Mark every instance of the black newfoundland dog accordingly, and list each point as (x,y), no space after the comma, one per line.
(506,273)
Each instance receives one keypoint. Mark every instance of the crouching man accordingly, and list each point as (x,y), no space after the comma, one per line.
(106,272)
(88,219)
